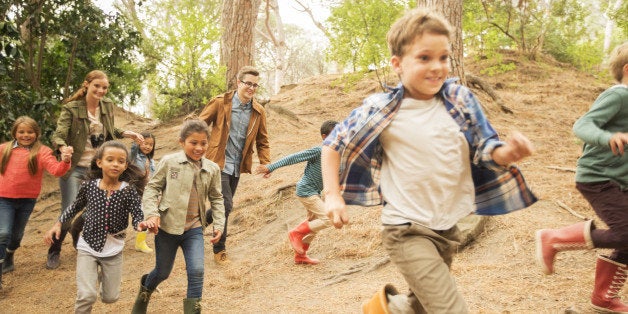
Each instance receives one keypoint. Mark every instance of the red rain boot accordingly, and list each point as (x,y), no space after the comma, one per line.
(296,237)
(551,241)
(610,277)
(303,258)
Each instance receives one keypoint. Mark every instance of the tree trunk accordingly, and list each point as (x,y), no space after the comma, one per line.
(278,38)
(238,23)
(452,11)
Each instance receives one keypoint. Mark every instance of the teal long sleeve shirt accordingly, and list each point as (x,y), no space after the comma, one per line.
(311,183)
(608,115)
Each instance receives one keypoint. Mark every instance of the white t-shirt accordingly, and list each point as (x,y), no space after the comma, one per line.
(426,172)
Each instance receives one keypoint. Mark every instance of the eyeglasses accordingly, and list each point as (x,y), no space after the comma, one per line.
(250,85)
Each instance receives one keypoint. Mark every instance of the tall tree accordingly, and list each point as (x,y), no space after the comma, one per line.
(236,45)
(274,32)
(452,11)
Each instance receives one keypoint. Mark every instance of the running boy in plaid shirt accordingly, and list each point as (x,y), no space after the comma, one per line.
(426,151)
(309,192)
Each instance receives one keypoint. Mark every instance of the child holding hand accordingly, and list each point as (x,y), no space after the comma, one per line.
(426,152)
(142,156)
(308,191)
(22,164)
(174,206)
(110,194)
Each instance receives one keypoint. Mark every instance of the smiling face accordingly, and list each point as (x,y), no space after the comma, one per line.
(25,135)
(246,92)
(147,146)
(96,88)
(424,65)
(113,162)
(195,145)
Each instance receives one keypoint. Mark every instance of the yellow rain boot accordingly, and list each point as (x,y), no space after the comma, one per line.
(378,304)
(140,243)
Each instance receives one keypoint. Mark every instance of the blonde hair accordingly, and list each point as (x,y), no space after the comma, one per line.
(618,59)
(413,24)
(247,70)
(8,148)
(80,94)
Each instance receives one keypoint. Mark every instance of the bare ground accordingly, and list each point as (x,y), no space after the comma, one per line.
(496,273)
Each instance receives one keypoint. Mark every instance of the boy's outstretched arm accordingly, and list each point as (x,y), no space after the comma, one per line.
(516,148)
(334,203)
(262,169)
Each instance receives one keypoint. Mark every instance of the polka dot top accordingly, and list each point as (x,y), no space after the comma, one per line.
(104,215)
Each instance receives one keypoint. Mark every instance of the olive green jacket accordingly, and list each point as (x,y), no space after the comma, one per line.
(172,181)
(73,127)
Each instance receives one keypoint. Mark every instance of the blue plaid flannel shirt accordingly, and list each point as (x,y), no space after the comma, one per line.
(498,190)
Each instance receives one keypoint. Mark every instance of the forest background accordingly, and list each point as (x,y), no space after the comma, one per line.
(166,58)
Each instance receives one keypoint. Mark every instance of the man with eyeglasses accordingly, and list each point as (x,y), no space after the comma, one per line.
(238,122)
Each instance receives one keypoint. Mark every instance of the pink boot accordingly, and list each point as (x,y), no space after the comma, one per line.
(303,258)
(296,237)
(610,277)
(551,241)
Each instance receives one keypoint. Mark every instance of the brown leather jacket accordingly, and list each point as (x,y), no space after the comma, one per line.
(217,114)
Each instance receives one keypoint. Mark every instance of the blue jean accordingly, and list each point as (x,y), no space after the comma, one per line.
(229,184)
(14,214)
(192,244)
(69,190)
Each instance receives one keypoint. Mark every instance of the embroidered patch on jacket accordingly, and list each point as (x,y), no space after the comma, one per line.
(174,174)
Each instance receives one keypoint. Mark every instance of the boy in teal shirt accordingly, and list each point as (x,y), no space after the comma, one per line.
(602,178)
(308,190)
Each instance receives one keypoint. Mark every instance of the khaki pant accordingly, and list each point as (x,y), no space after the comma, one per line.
(89,278)
(424,256)
(316,214)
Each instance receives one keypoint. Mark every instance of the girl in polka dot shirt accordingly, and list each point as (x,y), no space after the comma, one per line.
(112,192)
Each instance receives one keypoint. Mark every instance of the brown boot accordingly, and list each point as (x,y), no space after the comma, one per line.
(551,241)
(296,236)
(610,277)
(378,304)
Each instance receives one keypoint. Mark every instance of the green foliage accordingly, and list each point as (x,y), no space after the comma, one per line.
(499,68)
(58,44)
(566,29)
(348,81)
(188,72)
(621,18)
(358,32)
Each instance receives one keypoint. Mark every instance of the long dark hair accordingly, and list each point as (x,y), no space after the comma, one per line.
(135,148)
(133,174)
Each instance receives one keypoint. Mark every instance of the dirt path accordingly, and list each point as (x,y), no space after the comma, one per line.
(496,273)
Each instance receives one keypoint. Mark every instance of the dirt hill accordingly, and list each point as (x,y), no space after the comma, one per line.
(496,273)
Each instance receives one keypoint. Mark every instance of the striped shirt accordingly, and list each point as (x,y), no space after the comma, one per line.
(498,190)
(311,182)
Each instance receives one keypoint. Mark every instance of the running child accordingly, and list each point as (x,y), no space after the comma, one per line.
(142,156)
(424,150)
(111,192)
(174,206)
(308,191)
(22,164)
(602,178)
